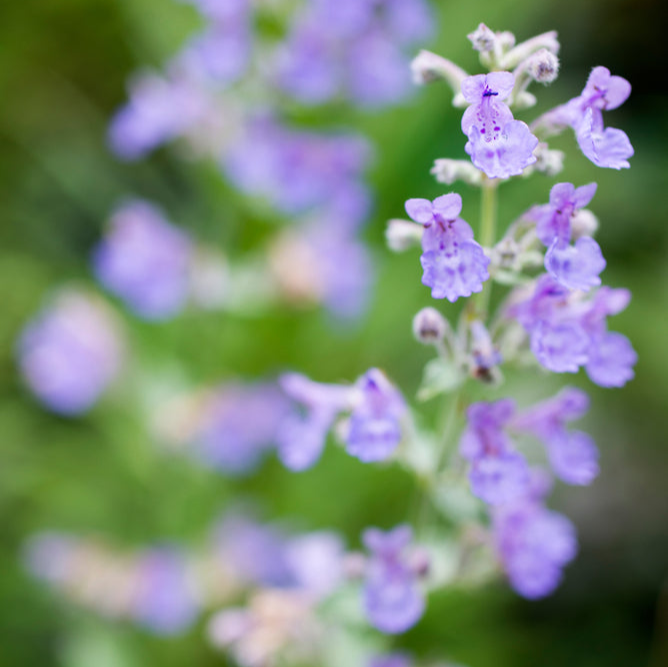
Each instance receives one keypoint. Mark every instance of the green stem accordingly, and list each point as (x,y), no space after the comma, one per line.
(488,215)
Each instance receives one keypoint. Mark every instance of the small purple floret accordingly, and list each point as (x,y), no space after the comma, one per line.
(454,263)
(393,601)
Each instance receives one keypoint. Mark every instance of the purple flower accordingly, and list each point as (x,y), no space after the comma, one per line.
(352,48)
(568,331)
(301,437)
(605,147)
(393,601)
(294,170)
(375,429)
(164,601)
(239,425)
(533,544)
(498,473)
(391,660)
(222,10)
(454,264)
(144,260)
(578,266)
(70,353)
(498,145)
(315,561)
(159,110)
(254,552)
(573,455)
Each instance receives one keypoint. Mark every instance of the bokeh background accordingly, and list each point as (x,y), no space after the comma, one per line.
(63,70)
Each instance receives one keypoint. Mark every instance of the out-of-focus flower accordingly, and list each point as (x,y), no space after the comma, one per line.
(160,110)
(393,601)
(498,473)
(391,660)
(573,455)
(353,49)
(164,599)
(533,544)
(145,260)
(71,352)
(237,426)
(277,627)
(374,430)
(454,263)
(568,331)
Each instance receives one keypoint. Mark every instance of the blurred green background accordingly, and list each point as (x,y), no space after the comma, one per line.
(63,68)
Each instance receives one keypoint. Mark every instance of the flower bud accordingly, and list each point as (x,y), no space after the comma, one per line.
(515,56)
(402,235)
(483,39)
(548,162)
(543,66)
(448,171)
(428,67)
(583,223)
(429,326)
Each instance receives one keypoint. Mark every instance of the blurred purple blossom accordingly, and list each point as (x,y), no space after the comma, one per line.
(375,430)
(393,601)
(164,599)
(533,544)
(70,352)
(353,49)
(145,260)
(238,426)
(498,473)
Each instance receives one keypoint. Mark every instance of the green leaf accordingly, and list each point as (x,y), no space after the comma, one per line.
(440,377)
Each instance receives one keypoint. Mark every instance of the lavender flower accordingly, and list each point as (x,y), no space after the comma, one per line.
(567,331)
(352,48)
(301,437)
(238,426)
(315,561)
(605,147)
(392,599)
(164,600)
(144,260)
(297,171)
(375,431)
(391,660)
(533,544)
(498,473)
(578,266)
(454,264)
(573,456)
(159,110)
(70,353)
(498,145)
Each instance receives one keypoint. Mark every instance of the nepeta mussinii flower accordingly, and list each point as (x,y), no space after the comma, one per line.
(577,266)
(145,260)
(71,352)
(567,332)
(352,48)
(374,430)
(573,455)
(498,144)
(454,263)
(164,600)
(391,660)
(393,601)
(301,437)
(605,147)
(159,110)
(498,473)
(533,544)
(237,426)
